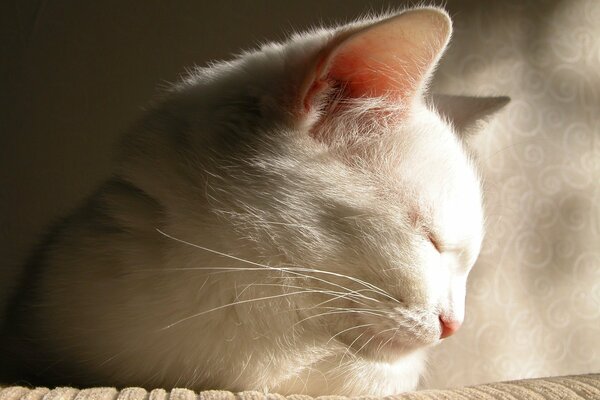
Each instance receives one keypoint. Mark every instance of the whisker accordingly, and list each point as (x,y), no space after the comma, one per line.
(373,337)
(376,289)
(382,345)
(332,312)
(307,289)
(355,295)
(231,305)
(222,270)
(291,271)
(295,269)
(366,310)
(348,329)
(347,352)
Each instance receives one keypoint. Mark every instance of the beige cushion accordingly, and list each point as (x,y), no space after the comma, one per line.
(567,387)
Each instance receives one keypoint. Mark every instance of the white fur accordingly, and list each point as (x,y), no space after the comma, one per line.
(310,254)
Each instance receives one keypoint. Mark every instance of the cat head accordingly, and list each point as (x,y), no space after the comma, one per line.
(325,155)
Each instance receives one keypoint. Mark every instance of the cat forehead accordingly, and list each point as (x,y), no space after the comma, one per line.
(437,180)
(427,153)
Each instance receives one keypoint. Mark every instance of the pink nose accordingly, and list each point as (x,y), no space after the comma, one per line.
(449,326)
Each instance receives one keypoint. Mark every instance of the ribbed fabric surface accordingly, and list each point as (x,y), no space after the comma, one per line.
(556,388)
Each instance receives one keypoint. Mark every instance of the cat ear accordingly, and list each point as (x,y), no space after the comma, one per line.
(394,57)
(465,112)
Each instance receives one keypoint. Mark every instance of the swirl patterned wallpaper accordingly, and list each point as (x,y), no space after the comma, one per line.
(533,308)
(78,75)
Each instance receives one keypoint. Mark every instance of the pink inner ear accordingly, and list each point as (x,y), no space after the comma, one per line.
(370,68)
(390,58)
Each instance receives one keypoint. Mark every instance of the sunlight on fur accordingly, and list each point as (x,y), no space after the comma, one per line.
(300,219)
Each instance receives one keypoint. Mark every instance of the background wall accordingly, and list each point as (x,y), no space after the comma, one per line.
(74,75)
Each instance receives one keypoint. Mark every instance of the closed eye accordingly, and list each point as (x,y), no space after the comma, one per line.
(434,241)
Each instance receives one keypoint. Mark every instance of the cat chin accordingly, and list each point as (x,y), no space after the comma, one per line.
(392,352)
(381,348)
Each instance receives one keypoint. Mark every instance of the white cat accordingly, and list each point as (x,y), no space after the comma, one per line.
(301,219)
